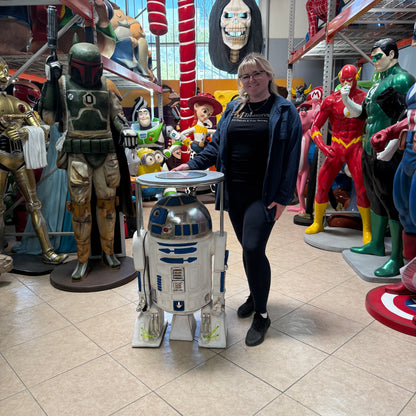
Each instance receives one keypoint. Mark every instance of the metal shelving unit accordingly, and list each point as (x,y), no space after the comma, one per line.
(353,31)
(350,35)
(121,76)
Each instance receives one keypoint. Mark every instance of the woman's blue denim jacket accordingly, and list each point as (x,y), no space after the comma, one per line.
(285,137)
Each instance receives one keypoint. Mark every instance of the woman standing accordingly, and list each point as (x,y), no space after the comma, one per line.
(257,147)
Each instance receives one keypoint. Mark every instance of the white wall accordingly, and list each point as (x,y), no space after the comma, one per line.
(278,33)
(279,18)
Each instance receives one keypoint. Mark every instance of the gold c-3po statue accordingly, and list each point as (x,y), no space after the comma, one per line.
(14,116)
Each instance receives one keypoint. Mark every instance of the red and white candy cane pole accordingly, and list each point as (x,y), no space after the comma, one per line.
(187,56)
(158,24)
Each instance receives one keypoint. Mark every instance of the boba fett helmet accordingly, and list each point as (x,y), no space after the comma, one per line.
(85,64)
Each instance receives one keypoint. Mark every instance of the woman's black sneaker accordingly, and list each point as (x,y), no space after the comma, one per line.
(247,308)
(257,331)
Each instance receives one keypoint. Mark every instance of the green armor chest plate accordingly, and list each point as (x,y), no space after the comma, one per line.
(88,110)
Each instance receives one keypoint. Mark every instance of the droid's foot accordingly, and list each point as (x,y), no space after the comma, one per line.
(213,330)
(50,257)
(111,261)
(390,268)
(149,328)
(80,271)
(315,228)
(369,249)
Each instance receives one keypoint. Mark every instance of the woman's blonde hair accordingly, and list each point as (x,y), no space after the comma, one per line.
(251,60)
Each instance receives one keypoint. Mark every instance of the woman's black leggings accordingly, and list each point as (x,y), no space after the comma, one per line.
(247,215)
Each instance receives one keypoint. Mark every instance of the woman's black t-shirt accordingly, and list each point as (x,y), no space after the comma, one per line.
(248,144)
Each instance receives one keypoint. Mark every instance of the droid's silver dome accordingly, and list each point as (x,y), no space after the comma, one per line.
(179,216)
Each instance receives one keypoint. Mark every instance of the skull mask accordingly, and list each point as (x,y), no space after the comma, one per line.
(235,24)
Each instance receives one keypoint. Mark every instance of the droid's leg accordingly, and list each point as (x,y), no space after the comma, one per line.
(150,323)
(213,331)
(183,327)
(27,185)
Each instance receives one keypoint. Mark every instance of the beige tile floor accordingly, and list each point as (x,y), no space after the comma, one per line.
(65,353)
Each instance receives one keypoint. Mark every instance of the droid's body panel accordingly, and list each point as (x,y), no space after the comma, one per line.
(180,282)
(180,272)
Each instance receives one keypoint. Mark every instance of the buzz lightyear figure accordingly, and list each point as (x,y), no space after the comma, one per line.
(149,132)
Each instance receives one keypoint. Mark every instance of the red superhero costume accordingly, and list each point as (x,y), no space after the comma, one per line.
(346,147)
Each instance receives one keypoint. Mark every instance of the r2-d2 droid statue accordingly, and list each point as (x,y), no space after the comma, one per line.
(181,264)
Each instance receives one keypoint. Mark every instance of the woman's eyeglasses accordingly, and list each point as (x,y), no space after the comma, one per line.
(255,75)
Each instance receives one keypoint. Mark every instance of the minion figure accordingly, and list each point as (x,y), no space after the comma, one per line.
(181,266)
(150,161)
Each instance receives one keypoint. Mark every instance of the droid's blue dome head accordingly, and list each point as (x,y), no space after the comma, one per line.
(181,217)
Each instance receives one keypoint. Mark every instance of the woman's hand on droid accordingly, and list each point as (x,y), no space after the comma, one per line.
(184,166)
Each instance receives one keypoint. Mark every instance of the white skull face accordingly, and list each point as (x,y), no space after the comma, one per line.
(235,24)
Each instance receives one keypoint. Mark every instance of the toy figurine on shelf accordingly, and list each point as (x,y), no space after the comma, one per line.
(404,187)
(383,104)
(131,49)
(149,131)
(318,10)
(90,153)
(22,145)
(204,106)
(300,93)
(307,112)
(150,161)
(346,147)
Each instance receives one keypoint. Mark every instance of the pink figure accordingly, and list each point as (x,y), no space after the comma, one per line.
(307,113)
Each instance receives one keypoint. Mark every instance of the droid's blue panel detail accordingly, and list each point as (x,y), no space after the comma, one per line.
(185,250)
(172,202)
(178,305)
(159,282)
(159,215)
(176,244)
(178,260)
(156,229)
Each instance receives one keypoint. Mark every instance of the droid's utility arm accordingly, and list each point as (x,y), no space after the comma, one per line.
(141,264)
